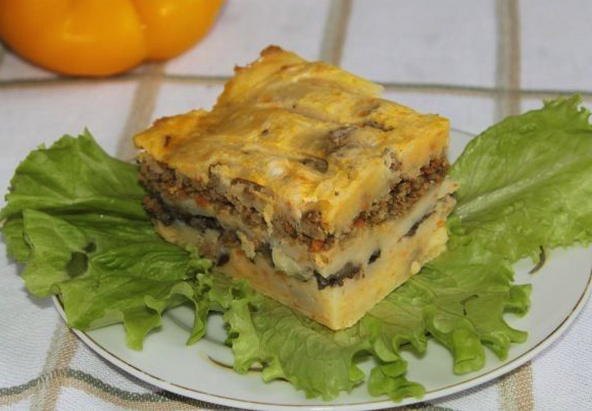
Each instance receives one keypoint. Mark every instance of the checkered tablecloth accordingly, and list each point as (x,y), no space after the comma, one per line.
(471,61)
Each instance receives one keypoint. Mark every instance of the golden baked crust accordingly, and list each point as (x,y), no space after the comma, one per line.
(313,136)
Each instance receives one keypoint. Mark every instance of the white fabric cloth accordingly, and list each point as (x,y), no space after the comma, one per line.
(435,56)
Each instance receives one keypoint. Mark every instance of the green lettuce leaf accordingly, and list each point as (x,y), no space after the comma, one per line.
(16,246)
(527,182)
(310,356)
(74,175)
(85,240)
(284,344)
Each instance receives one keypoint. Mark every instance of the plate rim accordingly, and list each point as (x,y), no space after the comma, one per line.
(444,391)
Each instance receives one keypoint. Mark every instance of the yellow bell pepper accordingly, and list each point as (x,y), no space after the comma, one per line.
(103,37)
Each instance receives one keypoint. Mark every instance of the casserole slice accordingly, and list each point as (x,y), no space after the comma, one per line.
(305,182)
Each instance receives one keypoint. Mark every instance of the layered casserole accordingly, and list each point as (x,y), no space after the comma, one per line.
(305,182)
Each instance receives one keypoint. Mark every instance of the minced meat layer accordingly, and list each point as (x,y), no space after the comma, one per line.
(157,209)
(159,178)
(228,239)
(406,193)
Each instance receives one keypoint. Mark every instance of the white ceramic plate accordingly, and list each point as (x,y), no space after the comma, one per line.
(560,290)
